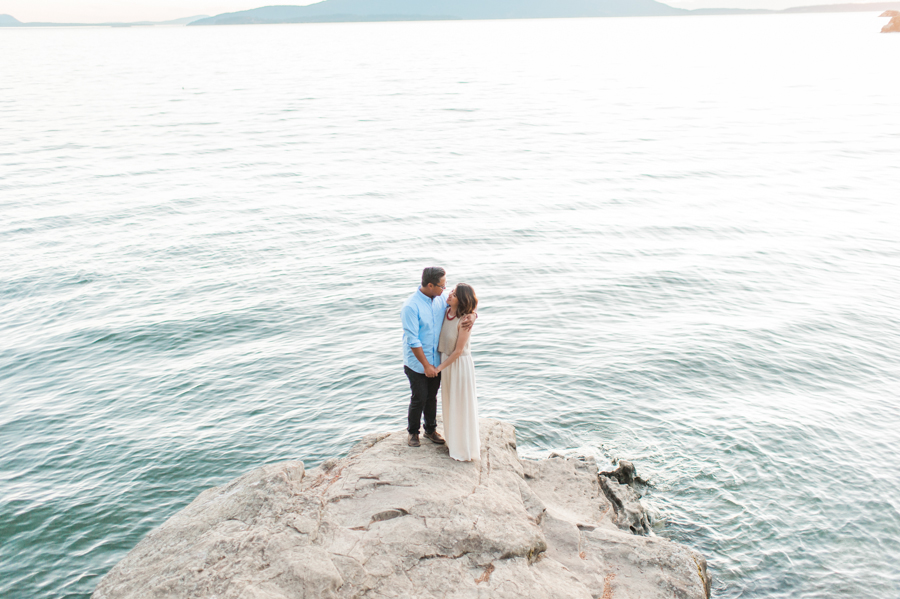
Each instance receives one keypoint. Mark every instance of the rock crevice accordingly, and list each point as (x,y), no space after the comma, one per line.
(393,521)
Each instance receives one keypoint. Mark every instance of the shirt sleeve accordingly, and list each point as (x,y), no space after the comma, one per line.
(410,320)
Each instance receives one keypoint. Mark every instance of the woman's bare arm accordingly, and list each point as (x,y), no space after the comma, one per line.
(461,341)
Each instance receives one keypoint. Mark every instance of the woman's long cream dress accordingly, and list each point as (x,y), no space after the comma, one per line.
(459,402)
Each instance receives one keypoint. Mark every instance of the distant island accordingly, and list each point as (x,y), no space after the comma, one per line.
(336,11)
(10,21)
(409,10)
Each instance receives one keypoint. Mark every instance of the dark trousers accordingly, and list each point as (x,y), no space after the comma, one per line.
(423,400)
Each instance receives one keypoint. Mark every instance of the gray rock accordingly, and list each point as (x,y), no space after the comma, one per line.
(393,521)
(618,486)
(625,473)
(629,512)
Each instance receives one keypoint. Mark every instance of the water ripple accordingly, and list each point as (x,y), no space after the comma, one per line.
(688,259)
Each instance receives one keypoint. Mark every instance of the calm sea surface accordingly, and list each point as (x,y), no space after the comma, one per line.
(684,232)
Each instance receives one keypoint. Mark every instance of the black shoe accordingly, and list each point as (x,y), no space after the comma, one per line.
(435,437)
(413,440)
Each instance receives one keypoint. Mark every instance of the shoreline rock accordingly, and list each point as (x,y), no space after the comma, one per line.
(893,26)
(392,521)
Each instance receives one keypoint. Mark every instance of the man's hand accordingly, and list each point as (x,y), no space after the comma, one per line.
(467,321)
(430,372)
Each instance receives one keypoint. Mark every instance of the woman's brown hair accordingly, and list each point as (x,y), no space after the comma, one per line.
(468,301)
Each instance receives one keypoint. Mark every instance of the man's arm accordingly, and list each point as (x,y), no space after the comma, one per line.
(430,370)
(410,320)
(468,321)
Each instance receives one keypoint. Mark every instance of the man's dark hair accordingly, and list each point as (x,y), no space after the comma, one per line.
(433,275)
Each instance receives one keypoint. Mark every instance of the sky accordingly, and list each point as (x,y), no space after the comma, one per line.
(93,11)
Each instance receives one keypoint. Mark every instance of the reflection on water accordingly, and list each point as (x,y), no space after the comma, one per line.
(683,239)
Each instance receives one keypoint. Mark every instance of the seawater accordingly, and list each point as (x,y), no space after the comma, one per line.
(683,232)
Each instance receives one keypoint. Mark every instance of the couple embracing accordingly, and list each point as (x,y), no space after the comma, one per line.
(437,326)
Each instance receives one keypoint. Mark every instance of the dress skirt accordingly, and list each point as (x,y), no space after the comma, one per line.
(459,405)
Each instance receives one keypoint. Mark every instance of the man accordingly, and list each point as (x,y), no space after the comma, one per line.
(422,316)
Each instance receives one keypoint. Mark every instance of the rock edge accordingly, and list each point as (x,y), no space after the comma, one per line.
(392,521)
(893,26)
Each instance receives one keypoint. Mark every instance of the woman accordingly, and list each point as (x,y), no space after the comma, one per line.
(458,398)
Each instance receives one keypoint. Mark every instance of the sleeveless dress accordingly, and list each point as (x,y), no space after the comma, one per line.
(459,403)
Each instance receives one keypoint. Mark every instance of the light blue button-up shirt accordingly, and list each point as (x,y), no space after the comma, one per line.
(422,320)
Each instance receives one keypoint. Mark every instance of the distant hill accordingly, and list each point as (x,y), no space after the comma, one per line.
(407,10)
(382,10)
(868,7)
(10,21)
(415,10)
(873,6)
(183,20)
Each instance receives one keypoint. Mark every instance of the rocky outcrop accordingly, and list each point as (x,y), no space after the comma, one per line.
(392,521)
(893,26)
(618,488)
(890,13)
